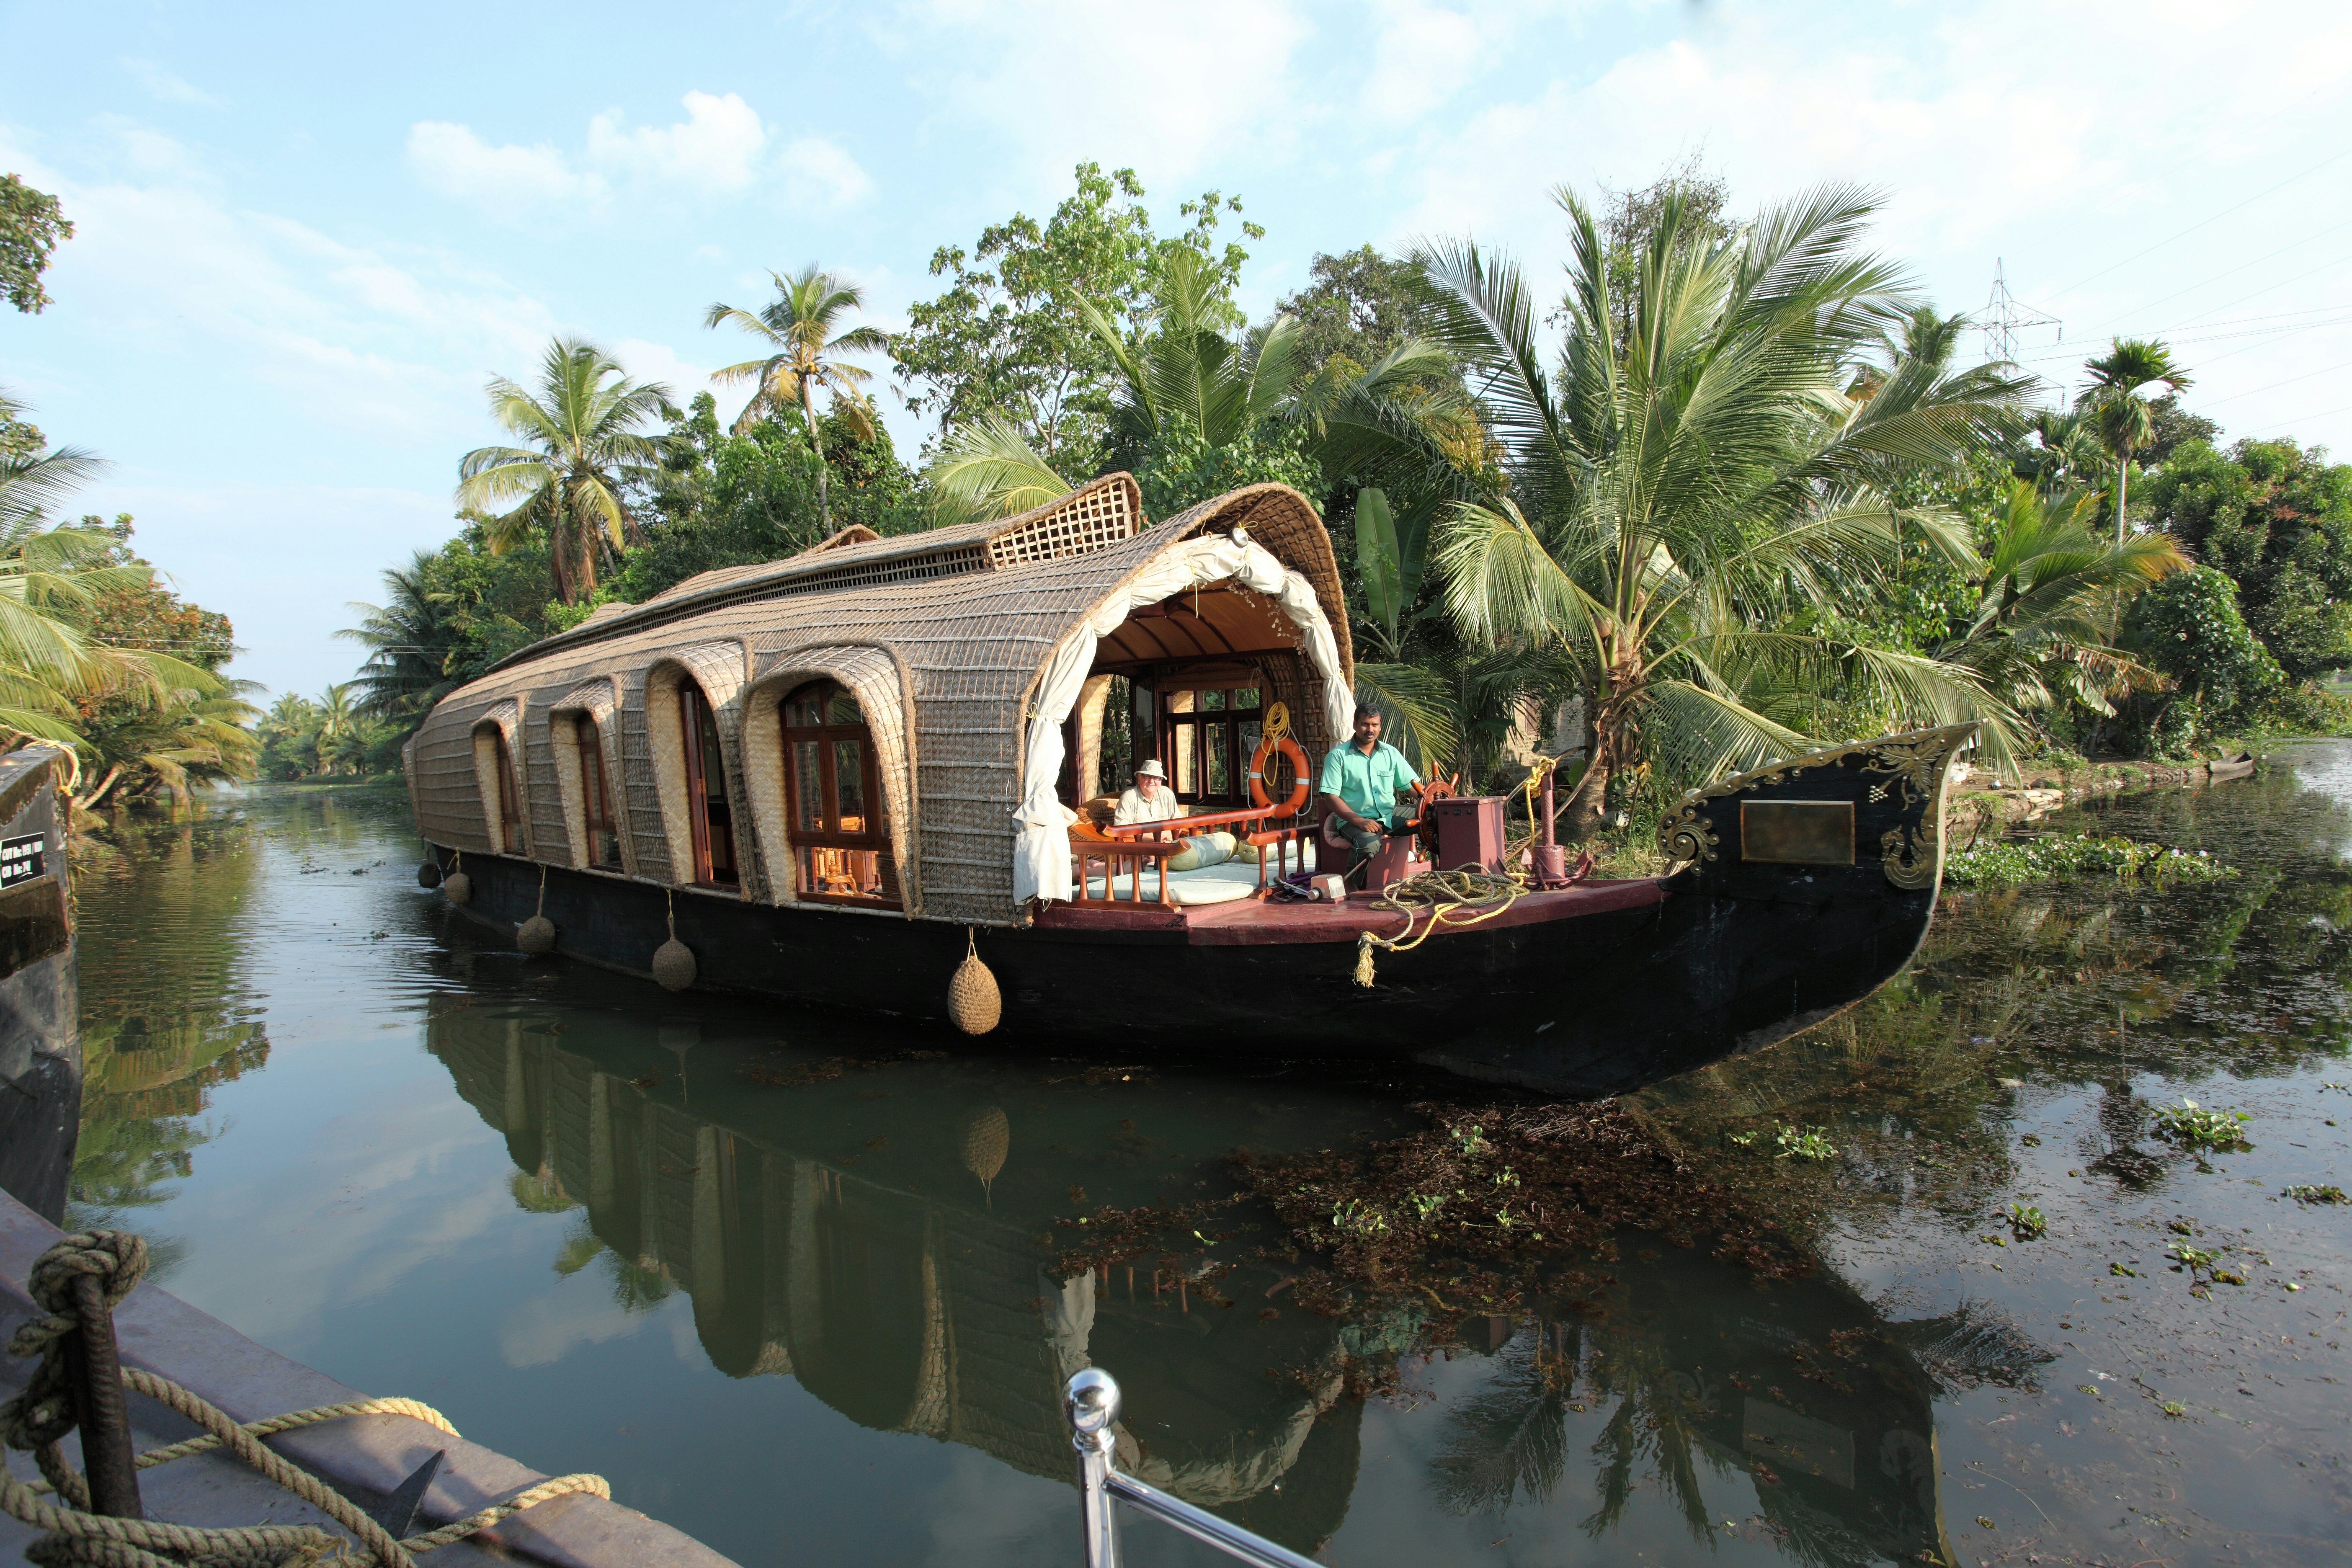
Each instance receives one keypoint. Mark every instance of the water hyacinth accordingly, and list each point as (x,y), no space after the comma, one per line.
(2066,859)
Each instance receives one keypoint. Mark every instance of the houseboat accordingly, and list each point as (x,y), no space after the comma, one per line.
(839,777)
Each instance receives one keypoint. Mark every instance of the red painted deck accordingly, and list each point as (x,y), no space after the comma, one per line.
(1248,922)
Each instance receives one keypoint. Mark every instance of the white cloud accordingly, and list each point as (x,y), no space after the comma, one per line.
(658,362)
(1423,54)
(454,161)
(163,85)
(1170,88)
(722,148)
(581,1311)
(717,147)
(817,174)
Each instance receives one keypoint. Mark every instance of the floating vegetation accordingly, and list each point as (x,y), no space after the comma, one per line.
(2191,1126)
(2066,859)
(2027,1222)
(1483,1215)
(2309,1193)
(1804,1143)
(2202,1266)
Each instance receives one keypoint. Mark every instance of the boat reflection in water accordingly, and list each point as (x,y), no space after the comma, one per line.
(885,1235)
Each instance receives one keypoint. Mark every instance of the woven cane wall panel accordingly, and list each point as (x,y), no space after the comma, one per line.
(641,794)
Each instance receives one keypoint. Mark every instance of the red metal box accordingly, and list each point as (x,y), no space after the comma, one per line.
(1469,831)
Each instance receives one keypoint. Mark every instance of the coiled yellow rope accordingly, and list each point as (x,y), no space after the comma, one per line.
(1441,895)
(42,1415)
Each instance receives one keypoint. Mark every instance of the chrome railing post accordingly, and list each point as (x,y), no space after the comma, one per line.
(1091,1404)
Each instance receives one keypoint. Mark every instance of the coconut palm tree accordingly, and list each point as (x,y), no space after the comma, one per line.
(2118,406)
(186,738)
(408,642)
(806,353)
(50,579)
(582,451)
(2038,635)
(338,719)
(1689,484)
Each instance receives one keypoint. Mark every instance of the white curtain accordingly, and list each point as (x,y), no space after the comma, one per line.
(1041,846)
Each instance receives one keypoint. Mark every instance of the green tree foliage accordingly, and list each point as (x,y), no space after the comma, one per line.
(2189,627)
(1630,221)
(166,738)
(805,353)
(1698,473)
(1362,305)
(31,225)
(450,615)
(2035,635)
(2121,409)
(55,670)
(734,499)
(1005,341)
(571,480)
(2276,518)
(1196,409)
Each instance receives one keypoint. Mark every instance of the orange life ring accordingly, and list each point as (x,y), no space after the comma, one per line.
(1289,748)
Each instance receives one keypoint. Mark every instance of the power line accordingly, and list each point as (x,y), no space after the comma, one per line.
(2257,261)
(2341,408)
(2266,287)
(2290,381)
(2217,218)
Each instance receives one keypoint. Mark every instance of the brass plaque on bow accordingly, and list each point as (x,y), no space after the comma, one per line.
(1797,832)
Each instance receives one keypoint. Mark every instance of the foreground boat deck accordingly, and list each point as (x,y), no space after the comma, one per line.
(1252,922)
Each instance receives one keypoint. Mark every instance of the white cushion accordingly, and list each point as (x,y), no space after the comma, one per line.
(1209,885)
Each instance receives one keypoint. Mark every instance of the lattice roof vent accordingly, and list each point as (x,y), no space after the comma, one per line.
(1094,519)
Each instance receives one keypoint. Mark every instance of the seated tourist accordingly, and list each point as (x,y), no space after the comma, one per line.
(1360,782)
(1148,799)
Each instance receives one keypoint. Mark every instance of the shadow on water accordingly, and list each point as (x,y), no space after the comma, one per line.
(879,1219)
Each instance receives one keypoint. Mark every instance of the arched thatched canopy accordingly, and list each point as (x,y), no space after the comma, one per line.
(966,649)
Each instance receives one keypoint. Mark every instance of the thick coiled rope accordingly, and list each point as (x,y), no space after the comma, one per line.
(1443,896)
(39,1417)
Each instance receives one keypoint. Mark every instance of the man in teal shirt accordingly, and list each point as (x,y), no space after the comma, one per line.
(1360,782)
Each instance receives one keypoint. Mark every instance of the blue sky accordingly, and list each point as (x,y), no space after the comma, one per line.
(308,235)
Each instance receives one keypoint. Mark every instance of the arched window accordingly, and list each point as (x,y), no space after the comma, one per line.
(595,797)
(840,827)
(510,793)
(713,823)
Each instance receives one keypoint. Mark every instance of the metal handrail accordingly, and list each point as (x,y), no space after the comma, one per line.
(1091,1405)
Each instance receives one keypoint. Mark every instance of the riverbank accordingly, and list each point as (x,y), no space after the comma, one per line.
(1978,805)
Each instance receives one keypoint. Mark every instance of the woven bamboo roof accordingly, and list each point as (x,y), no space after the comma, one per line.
(942,635)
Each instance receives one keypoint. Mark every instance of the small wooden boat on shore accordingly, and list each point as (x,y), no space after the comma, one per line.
(833,778)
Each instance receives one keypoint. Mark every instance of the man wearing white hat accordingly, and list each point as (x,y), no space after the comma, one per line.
(1148,799)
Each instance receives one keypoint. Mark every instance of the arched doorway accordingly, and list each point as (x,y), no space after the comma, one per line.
(839,814)
(709,818)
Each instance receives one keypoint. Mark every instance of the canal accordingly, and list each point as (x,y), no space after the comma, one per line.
(807,1287)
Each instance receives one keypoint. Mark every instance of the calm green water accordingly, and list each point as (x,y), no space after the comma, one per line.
(789,1284)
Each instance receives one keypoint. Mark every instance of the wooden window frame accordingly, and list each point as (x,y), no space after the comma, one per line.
(510,793)
(875,839)
(1192,729)
(692,704)
(595,791)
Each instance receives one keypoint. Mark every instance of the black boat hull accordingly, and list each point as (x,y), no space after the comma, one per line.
(1588,992)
